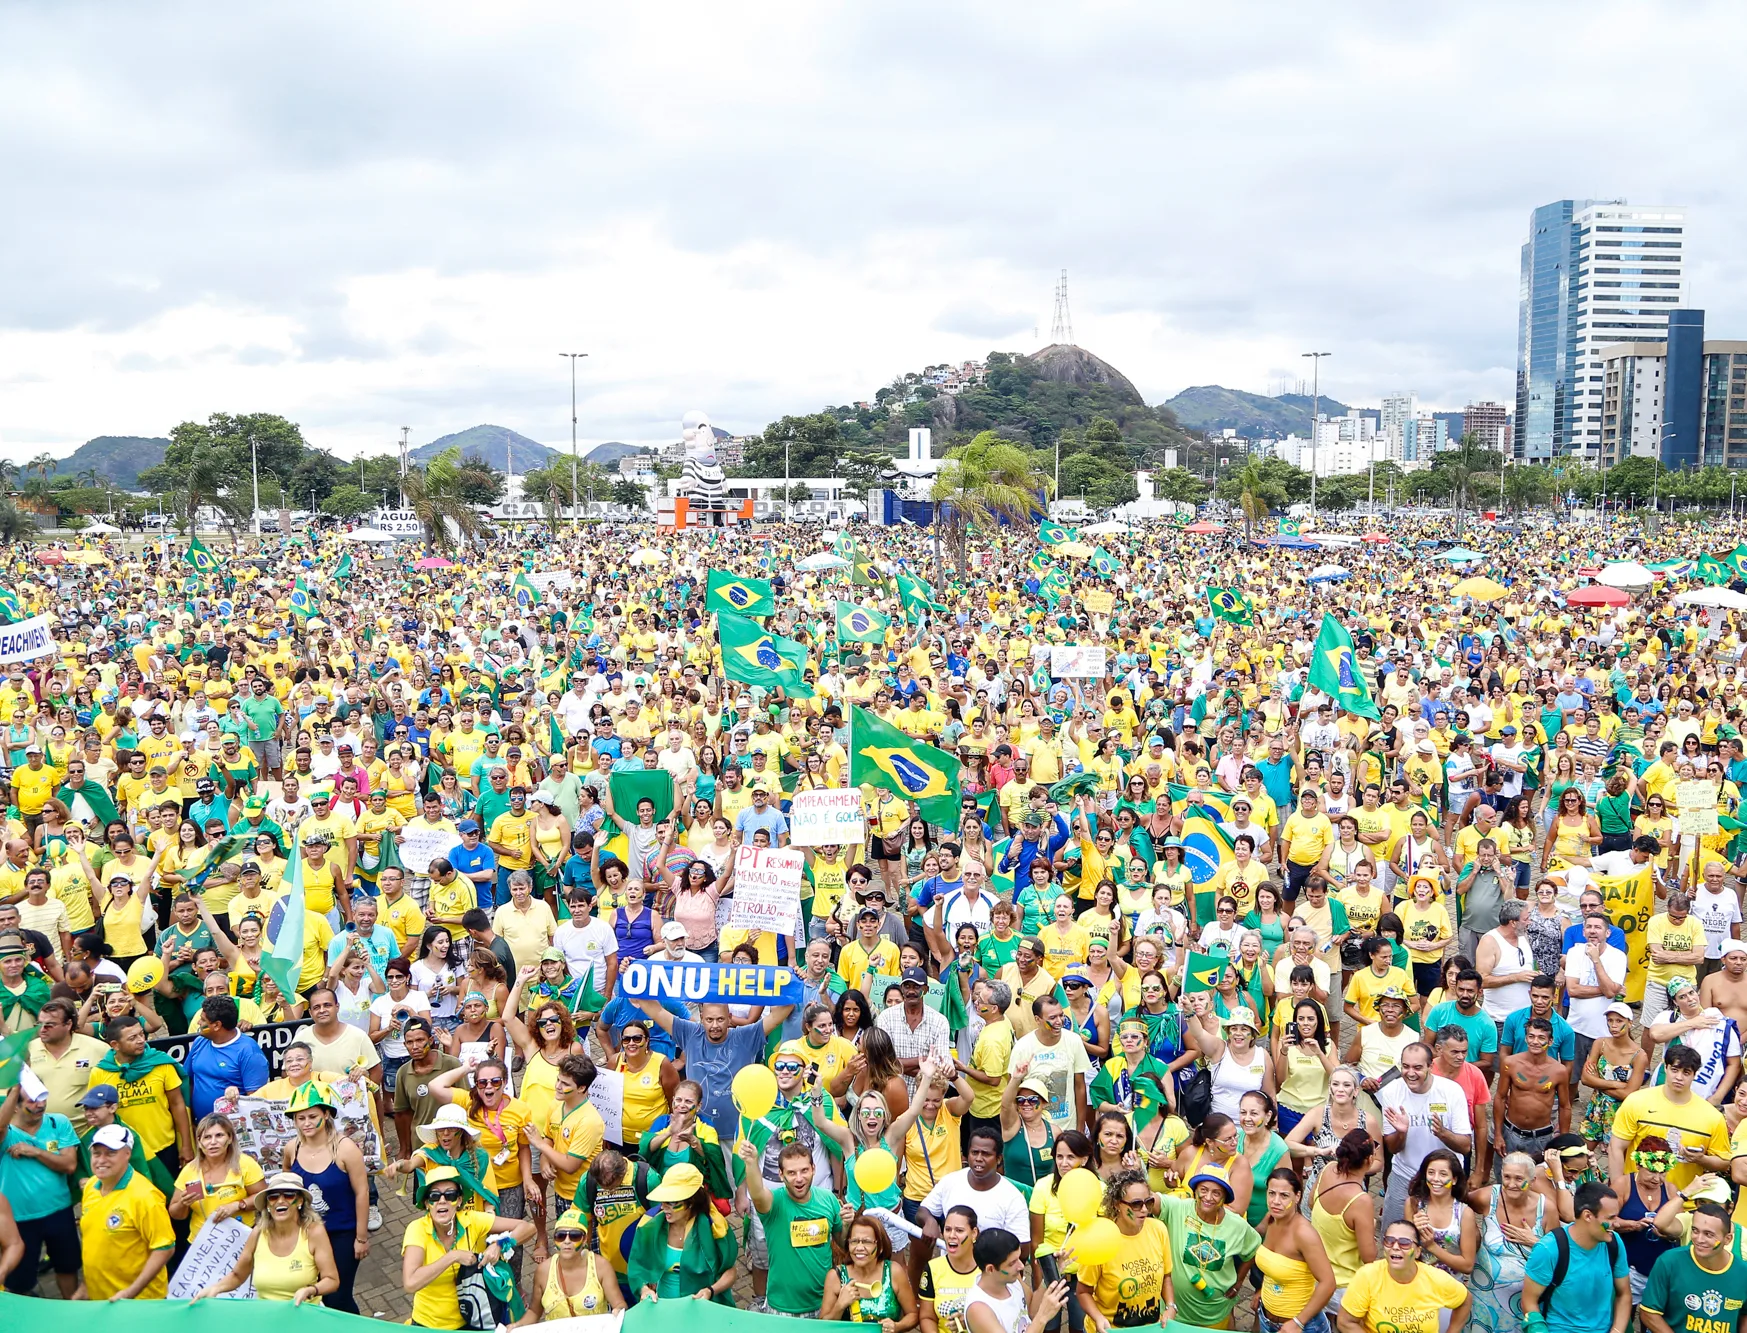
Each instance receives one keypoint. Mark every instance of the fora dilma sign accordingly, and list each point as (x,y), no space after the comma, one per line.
(709,983)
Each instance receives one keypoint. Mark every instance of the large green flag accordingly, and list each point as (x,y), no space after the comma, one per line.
(856,624)
(1054,585)
(1737,559)
(11,611)
(1103,563)
(755,656)
(344,569)
(1712,569)
(1202,972)
(1335,671)
(917,597)
(882,756)
(1053,534)
(739,596)
(1230,604)
(303,603)
(630,787)
(284,960)
(524,591)
(863,573)
(202,559)
(13,1052)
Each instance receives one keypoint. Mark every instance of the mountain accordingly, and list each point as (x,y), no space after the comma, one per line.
(1252,415)
(121,458)
(497,445)
(608,454)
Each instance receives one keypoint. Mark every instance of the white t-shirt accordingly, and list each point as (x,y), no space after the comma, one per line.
(1717,912)
(1057,1066)
(1513,779)
(384,1008)
(1003,1206)
(960,910)
(1715,1045)
(586,948)
(1442,1101)
(1590,1016)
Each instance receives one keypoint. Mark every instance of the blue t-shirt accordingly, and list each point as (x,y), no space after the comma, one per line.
(1514,1034)
(1616,938)
(772,821)
(935,887)
(33,1190)
(380,941)
(620,1011)
(472,862)
(212,1069)
(1482,1032)
(1277,779)
(713,1064)
(1579,1305)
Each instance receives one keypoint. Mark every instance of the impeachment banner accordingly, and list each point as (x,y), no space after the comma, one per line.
(272,1038)
(27,640)
(709,983)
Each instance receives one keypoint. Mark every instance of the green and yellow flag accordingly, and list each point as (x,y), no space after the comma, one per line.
(200,557)
(917,597)
(1230,604)
(753,655)
(1103,563)
(739,596)
(882,756)
(1053,534)
(1203,971)
(524,591)
(856,624)
(303,603)
(1289,527)
(1713,570)
(344,569)
(863,573)
(1335,671)
(11,610)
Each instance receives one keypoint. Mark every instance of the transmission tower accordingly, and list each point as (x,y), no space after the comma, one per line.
(1061,329)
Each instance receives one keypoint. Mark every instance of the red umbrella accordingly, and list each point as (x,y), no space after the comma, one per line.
(1374,538)
(434,562)
(1589,571)
(1598,595)
(52,557)
(1203,528)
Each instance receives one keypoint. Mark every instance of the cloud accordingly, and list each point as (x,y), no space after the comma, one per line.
(373,216)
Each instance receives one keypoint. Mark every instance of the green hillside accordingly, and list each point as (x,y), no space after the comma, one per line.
(496,445)
(121,458)
(1210,407)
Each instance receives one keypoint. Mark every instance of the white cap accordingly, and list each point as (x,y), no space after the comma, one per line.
(117,1137)
(1623,1010)
(1733,946)
(673,931)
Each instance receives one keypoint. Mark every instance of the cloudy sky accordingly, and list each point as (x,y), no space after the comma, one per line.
(369,216)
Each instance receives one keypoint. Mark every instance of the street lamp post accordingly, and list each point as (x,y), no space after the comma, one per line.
(255,472)
(786,501)
(1315,409)
(572,356)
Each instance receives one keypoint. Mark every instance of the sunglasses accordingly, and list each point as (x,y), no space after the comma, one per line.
(283,1194)
(442,1196)
(488,1082)
(1028,1101)
(569,1235)
(787,1066)
(637,1039)
(1399,1243)
(551,1022)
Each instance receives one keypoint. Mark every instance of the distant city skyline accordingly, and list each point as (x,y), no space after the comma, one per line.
(366,218)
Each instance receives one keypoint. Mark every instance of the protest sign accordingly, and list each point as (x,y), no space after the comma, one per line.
(767,889)
(607,1095)
(27,640)
(272,1038)
(709,983)
(264,1127)
(1080,660)
(826,818)
(1698,807)
(211,1256)
(1098,601)
(422,846)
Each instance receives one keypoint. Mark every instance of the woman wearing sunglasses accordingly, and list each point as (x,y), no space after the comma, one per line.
(445,1245)
(575,1280)
(1133,1286)
(287,1254)
(686,1252)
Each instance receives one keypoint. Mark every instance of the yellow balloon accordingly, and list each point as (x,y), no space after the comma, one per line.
(1095,1244)
(754,1091)
(876,1170)
(1080,1194)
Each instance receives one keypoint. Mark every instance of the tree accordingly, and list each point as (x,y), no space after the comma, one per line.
(813,444)
(347,501)
(42,465)
(1526,486)
(629,493)
(1105,484)
(1256,488)
(15,523)
(478,482)
(434,494)
(279,445)
(984,481)
(864,470)
(1179,484)
(1635,478)
(314,478)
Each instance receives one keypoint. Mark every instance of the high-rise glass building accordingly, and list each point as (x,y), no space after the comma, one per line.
(1593,273)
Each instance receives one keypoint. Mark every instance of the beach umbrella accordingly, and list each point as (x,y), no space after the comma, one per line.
(100,529)
(1375,538)
(1461,555)
(1202,528)
(1110,527)
(1598,594)
(1481,589)
(365,535)
(1626,574)
(648,555)
(1329,574)
(52,556)
(433,562)
(813,564)
(1075,550)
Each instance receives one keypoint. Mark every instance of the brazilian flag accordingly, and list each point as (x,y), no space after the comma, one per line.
(1288,527)
(856,624)
(1103,563)
(1038,564)
(525,593)
(12,1056)
(344,569)
(1737,560)
(882,756)
(1335,671)
(1714,569)
(1055,586)
(10,608)
(754,656)
(863,573)
(738,596)
(1230,604)
(1203,971)
(917,597)
(1053,534)
(203,560)
(303,603)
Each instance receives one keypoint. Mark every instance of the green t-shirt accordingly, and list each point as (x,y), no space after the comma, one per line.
(1211,1253)
(995,954)
(1692,1300)
(263,714)
(798,1236)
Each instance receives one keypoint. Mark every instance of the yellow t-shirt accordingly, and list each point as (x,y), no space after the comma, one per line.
(1662,933)
(500,1134)
(32,787)
(856,963)
(145,1105)
(1422,923)
(930,1153)
(1697,1123)
(1378,1300)
(233,1189)
(1366,986)
(1061,952)
(434,1305)
(121,1228)
(1362,912)
(581,1133)
(516,835)
(1308,838)
(1127,1287)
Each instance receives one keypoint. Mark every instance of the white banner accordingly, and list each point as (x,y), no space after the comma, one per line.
(607,1095)
(562,579)
(1078,660)
(767,889)
(821,818)
(27,640)
(211,1256)
(422,846)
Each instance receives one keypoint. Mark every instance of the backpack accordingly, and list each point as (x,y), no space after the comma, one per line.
(1562,1243)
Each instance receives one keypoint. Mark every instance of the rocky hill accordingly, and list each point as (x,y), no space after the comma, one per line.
(497,445)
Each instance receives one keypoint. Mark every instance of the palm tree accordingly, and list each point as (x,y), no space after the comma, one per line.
(42,465)
(987,480)
(1257,494)
(433,493)
(15,523)
(204,484)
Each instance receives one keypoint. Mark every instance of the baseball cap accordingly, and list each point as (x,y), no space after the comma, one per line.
(119,1138)
(673,931)
(468,826)
(915,974)
(100,1094)
(1623,1010)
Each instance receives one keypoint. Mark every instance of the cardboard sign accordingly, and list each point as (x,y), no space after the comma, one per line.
(607,1095)
(826,818)
(421,847)
(212,1255)
(767,889)
(1099,601)
(1698,807)
(1083,661)
(27,640)
(264,1125)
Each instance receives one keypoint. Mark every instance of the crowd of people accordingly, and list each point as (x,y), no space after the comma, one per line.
(1409,1022)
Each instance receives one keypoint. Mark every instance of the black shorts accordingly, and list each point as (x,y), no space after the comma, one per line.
(876,850)
(58,1234)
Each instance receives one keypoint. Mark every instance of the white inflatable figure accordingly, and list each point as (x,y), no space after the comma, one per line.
(703,473)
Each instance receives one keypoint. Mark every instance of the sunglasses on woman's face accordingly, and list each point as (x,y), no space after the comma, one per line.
(551,1022)
(443,1196)
(568,1235)
(488,1082)
(1028,1101)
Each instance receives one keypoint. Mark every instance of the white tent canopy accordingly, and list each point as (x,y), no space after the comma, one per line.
(370,535)
(99,529)
(823,560)
(1626,574)
(1726,598)
(1110,527)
